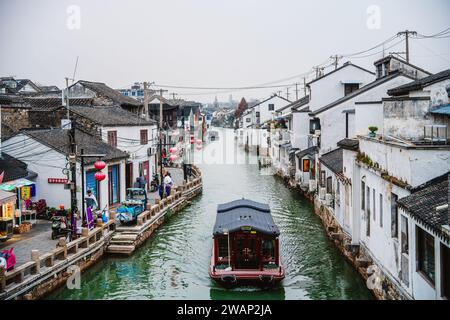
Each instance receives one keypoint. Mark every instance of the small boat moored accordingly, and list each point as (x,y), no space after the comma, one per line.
(245,245)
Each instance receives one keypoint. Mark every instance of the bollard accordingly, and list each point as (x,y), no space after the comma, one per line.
(35,258)
(2,279)
(84,232)
(157,201)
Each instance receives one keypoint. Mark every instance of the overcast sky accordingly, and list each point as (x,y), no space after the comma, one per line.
(208,43)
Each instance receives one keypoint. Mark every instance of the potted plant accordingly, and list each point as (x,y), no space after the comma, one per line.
(373,130)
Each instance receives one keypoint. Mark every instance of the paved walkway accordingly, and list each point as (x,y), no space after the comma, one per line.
(177,177)
(38,238)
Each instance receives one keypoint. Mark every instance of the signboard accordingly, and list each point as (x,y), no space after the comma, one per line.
(57,180)
(25,193)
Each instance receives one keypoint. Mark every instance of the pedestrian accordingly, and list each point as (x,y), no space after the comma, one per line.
(168,183)
(161,191)
(91,201)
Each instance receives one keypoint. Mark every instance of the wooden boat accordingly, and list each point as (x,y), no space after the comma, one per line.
(246,247)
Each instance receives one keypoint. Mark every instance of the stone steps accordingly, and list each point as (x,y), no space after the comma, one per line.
(120,249)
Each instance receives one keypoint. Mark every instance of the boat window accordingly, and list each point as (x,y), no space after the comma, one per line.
(268,248)
(222,247)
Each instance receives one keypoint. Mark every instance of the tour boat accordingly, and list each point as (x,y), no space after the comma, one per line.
(246,247)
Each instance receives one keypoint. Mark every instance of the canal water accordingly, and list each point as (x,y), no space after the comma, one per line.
(174,262)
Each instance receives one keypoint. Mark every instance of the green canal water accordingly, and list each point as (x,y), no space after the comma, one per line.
(174,262)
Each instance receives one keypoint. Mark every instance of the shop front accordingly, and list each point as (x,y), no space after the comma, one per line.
(113,184)
(24,190)
(7,209)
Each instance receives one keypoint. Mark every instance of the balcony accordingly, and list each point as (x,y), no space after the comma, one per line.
(313,140)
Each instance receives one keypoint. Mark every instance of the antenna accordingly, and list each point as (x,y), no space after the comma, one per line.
(75,70)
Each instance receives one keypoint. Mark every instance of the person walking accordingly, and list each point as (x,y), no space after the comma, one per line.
(168,183)
(91,201)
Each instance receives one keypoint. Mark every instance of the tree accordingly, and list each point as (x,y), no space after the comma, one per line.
(242,106)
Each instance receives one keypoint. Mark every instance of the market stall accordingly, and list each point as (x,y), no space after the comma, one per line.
(7,208)
(24,190)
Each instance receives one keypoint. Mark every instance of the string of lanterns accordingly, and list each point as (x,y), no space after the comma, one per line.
(99,165)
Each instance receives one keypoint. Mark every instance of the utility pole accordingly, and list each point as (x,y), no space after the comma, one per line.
(67,98)
(304,85)
(73,172)
(407,33)
(146,114)
(161,91)
(296,91)
(287,93)
(336,59)
(318,70)
(173,95)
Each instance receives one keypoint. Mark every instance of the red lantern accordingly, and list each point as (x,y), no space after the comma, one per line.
(199,148)
(199,141)
(99,165)
(173,150)
(192,139)
(99,176)
(173,157)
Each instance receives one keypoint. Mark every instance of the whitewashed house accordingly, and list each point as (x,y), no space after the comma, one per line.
(45,152)
(390,166)
(126,131)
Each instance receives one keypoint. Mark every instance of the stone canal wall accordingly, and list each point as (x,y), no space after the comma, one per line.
(45,273)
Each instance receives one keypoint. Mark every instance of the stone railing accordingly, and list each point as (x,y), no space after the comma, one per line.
(46,264)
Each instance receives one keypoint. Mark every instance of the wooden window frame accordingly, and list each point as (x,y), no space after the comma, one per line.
(144,136)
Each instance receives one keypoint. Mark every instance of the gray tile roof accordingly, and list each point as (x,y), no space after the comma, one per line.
(421,204)
(349,144)
(103,90)
(13,169)
(333,160)
(58,139)
(346,64)
(307,152)
(420,83)
(296,104)
(53,103)
(110,116)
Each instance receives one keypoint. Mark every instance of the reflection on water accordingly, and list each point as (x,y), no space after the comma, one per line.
(174,263)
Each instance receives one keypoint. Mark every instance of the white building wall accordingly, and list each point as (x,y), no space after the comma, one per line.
(300,130)
(366,115)
(330,88)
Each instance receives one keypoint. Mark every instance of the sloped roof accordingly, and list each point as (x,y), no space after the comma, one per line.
(442,110)
(296,104)
(307,152)
(333,160)
(234,215)
(58,139)
(344,65)
(13,169)
(349,144)
(110,116)
(53,103)
(103,90)
(420,83)
(421,204)
(271,97)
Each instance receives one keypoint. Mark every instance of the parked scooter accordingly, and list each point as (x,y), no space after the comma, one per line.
(7,259)
(155,182)
(60,227)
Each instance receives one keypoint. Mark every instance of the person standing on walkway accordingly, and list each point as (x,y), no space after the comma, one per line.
(168,183)
(91,201)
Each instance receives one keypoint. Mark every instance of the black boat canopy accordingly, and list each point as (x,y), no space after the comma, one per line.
(244,215)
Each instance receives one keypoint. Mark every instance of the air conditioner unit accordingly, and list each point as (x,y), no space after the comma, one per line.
(329,199)
(322,192)
(312,185)
(151,151)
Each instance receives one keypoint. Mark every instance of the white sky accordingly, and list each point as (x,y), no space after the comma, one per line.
(206,42)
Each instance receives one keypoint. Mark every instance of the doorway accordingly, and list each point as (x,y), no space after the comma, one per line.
(245,248)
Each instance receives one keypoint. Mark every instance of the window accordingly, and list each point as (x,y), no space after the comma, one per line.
(363,195)
(445,271)
(322,178)
(222,244)
(381,210)
(374,212)
(368,212)
(112,138)
(379,70)
(394,216)
(329,185)
(247,120)
(314,124)
(350,87)
(257,114)
(144,136)
(404,235)
(268,249)
(306,165)
(425,254)
(271,107)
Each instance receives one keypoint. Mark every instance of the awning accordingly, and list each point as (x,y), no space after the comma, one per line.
(11,185)
(6,197)
(443,110)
